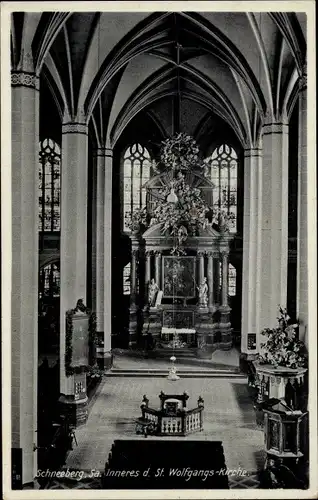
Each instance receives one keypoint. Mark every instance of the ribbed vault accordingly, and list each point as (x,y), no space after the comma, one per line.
(108,67)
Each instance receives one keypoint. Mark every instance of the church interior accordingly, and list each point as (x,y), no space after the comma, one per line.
(159,233)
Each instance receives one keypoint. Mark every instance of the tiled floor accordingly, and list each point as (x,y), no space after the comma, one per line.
(228,416)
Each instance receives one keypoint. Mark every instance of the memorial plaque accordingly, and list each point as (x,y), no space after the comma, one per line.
(78,340)
(80,356)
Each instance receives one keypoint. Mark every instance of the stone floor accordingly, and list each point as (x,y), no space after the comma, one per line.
(228,416)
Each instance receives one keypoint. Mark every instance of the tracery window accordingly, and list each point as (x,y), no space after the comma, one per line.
(126,279)
(49,285)
(49,185)
(223,174)
(137,164)
(231,279)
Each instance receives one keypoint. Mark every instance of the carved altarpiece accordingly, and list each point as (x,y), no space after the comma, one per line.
(203,326)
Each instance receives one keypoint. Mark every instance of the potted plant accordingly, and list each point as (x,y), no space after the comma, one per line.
(282,363)
(282,347)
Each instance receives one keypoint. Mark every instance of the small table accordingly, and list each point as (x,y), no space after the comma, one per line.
(145,426)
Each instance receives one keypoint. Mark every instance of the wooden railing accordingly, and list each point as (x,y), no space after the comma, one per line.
(165,423)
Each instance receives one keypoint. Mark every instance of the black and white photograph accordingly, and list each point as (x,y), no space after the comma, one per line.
(158,215)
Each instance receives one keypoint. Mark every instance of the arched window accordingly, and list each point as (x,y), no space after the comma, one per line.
(126,279)
(231,279)
(49,285)
(49,185)
(223,174)
(137,163)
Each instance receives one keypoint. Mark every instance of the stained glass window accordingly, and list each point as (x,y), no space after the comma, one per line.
(49,281)
(231,279)
(223,174)
(126,279)
(49,185)
(137,164)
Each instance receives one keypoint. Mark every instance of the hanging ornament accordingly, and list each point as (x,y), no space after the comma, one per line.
(172,197)
(173,370)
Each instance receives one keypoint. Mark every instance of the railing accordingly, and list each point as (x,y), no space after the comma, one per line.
(163,423)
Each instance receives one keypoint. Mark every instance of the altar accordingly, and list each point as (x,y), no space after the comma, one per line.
(180,246)
(179,314)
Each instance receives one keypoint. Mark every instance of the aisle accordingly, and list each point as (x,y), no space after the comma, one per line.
(228,416)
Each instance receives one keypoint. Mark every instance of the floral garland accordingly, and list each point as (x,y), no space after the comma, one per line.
(72,370)
(189,211)
(282,347)
(180,152)
(138,219)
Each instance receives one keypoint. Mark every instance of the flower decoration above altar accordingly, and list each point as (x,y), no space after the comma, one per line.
(186,216)
(179,207)
(180,152)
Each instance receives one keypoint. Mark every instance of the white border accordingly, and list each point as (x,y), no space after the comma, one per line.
(307,6)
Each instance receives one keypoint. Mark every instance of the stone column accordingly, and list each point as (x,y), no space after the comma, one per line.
(158,269)
(148,267)
(91,289)
(302,236)
(272,257)
(24,272)
(147,275)
(73,252)
(210,280)
(217,279)
(108,254)
(103,258)
(99,259)
(133,278)
(133,316)
(225,271)
(252,166)
(201,266)
(225,310)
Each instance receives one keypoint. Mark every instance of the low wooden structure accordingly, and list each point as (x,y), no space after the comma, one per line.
(172,418)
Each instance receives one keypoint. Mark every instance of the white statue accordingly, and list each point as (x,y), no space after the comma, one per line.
(152,292)
(203,293)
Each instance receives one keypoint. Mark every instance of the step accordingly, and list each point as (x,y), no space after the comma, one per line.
(160,372)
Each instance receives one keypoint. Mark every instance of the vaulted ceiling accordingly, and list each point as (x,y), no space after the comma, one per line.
(110,67)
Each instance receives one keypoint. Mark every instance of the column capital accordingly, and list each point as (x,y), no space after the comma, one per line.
(134,253)
(278,127)
(104,152)
(252,152)
(25,79)
(201,253)
(74,128)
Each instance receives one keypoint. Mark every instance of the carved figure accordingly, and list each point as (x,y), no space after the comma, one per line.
(152,292)
(182,234)
(80,307)
(203,293)
(224,222)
